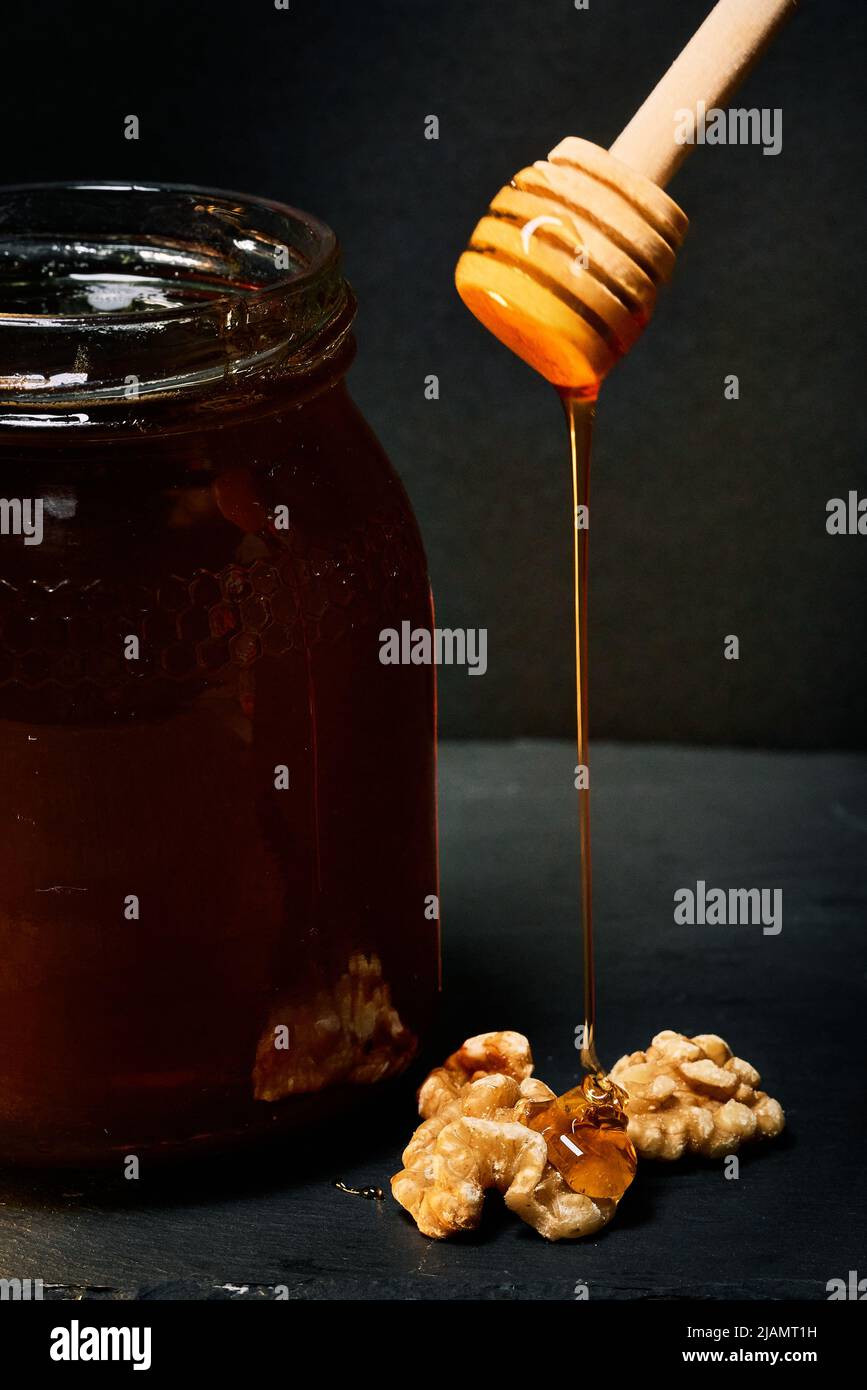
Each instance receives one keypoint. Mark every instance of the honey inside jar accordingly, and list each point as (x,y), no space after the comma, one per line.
(219,806)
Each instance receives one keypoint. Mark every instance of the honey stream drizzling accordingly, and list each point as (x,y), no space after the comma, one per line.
(585,1129)
(580,410)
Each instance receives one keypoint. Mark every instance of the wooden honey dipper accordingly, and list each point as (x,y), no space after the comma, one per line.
(564,267)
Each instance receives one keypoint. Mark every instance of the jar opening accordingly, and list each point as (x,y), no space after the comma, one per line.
(119,290)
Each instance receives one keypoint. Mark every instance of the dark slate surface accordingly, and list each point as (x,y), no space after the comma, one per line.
(792,1004)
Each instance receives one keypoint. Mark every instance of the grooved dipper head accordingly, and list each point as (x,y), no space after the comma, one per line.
(565,266)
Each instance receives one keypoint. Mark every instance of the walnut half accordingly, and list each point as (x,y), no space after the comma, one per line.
(472,1140)
(692,1095)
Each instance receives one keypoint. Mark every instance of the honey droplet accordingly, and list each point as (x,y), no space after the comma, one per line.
(585,1131)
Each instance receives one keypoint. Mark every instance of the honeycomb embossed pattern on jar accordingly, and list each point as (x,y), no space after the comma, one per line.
(193,630)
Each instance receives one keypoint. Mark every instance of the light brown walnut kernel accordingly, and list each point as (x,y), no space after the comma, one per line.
(692,1095)
(471,1141)
(533,1089)
(505,1053)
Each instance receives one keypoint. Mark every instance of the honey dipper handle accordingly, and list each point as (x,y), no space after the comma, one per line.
(714,63)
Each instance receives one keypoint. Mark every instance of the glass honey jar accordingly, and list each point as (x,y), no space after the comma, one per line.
(218,875)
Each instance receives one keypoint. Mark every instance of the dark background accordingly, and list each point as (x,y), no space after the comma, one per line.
(708,515)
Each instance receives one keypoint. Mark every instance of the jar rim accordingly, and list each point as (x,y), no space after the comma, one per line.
(104,284)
